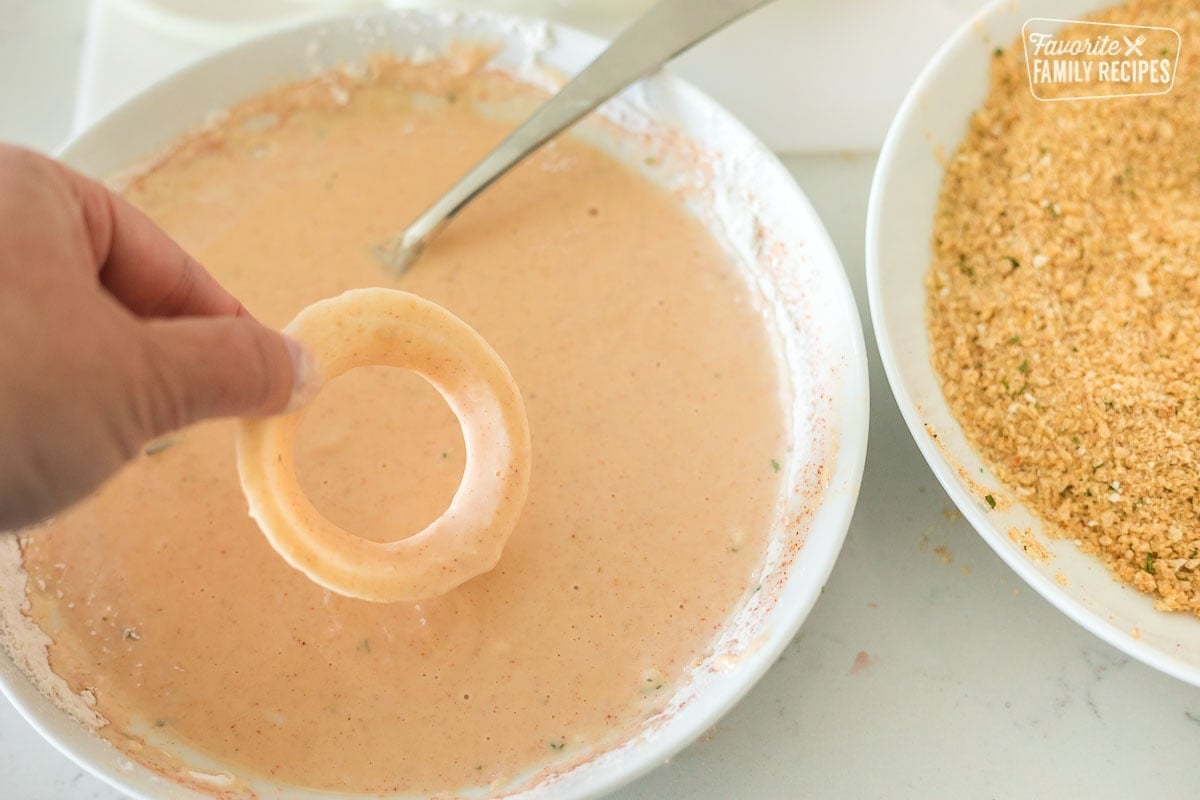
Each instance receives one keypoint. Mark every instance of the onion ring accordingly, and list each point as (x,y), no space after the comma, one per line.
(393,328)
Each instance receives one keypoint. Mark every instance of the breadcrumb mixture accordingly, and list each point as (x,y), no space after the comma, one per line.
(1064,309)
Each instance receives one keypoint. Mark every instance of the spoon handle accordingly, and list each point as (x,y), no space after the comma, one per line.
(667,29)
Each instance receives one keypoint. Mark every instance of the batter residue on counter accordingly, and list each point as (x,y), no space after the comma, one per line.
(653,399)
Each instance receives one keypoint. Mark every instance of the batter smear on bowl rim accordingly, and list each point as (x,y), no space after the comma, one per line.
(657,432)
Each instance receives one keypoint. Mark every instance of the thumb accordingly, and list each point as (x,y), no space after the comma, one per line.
(202,367)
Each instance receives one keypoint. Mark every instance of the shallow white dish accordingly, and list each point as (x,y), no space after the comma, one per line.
(930,123)
(750,202)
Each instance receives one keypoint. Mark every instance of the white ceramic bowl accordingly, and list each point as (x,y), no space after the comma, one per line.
(750,202)
(932,121)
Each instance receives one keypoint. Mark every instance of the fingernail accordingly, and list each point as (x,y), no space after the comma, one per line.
(306,375)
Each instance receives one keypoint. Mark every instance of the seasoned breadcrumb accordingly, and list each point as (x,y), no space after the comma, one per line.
(1064,309)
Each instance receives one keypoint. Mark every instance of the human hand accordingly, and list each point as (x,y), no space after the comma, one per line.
(110,335)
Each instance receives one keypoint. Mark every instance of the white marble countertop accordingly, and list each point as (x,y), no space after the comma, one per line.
(927,669)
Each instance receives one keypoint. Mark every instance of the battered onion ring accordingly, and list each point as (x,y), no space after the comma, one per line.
(393,328)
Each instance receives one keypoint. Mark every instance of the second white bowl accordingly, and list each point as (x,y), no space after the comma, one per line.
(930,124)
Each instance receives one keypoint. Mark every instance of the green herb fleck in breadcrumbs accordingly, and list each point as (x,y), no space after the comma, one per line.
(156,447)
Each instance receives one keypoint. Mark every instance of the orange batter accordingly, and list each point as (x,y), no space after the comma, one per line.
(653,401)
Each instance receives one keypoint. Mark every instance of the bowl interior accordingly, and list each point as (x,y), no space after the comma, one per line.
(749,202)
(931,122)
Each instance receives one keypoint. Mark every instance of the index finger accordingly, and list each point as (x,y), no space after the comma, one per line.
(143,267)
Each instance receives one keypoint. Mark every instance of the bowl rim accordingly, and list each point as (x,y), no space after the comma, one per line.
(941,466)
(832,510)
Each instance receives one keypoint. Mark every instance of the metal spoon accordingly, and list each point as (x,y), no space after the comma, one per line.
(667,29)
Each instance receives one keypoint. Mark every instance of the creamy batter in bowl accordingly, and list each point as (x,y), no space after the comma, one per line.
(744,198)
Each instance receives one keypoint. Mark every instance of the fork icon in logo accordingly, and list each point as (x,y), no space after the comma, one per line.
(1134,47)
